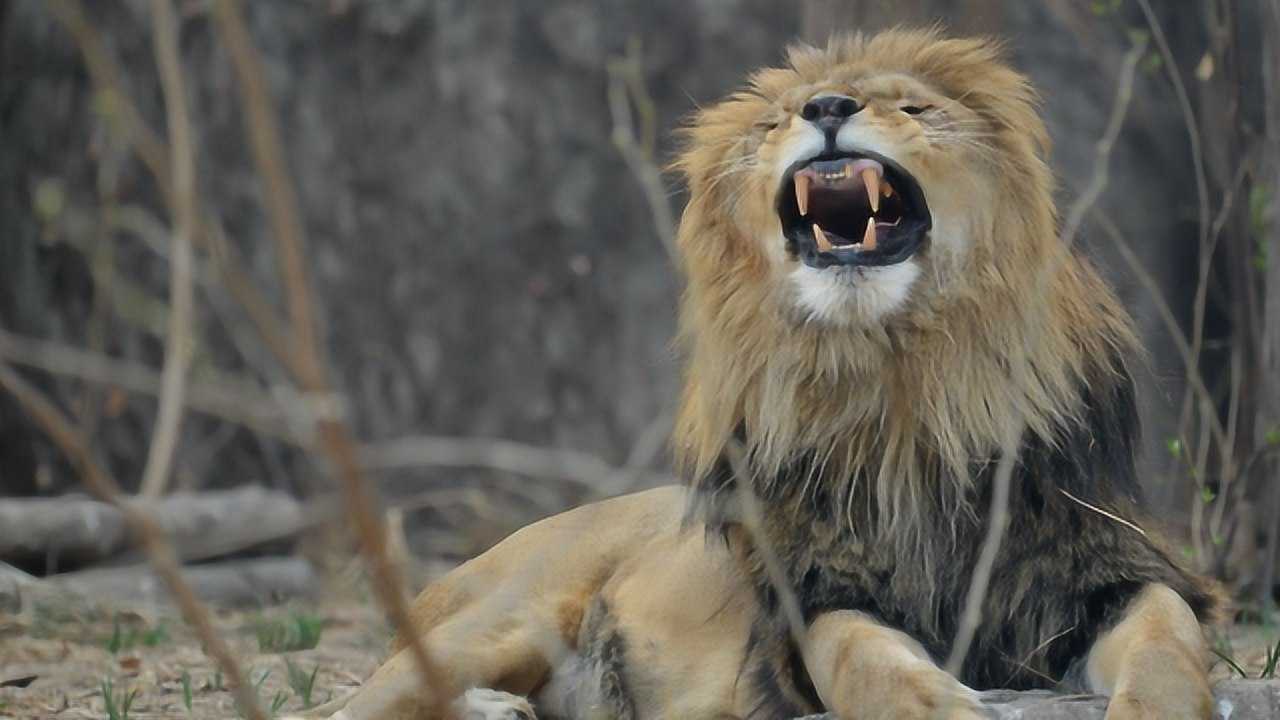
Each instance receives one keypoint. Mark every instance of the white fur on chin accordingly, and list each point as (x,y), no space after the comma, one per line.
(852,295)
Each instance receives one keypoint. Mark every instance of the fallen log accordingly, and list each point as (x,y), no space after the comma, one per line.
(1235,700)
(73,531)
(228,584)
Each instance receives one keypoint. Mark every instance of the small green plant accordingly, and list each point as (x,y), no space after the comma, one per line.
(117,705)
(277,702)
(1226,653)
(123,638)
(297,632)
(186,691)
(302,683)
(1269,666)
(1231,663)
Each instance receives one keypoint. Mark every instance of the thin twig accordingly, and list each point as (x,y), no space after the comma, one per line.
(626,87)
(106,75)
(155,543)
(1170,65)
(1102,151)
(1167,317)
(286,225)
(998,513)
(229,398)
(997,523)
(164,440)
(1205,253)
(279,196)
(752,518)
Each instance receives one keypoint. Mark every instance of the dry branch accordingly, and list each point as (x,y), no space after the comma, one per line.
(232,399)
(626,87)
(997,517)
(173,377)
(106,75)
(1102,150)
(997,522)
(228,584)
(308,363)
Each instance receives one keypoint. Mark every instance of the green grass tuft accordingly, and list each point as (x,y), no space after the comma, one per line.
(117,705)
(302,683)
(297,632)
(123,638)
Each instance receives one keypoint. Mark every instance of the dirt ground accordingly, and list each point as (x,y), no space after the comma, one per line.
(66,655)
(54,660)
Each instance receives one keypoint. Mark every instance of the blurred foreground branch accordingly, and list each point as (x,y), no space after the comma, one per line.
(638,146)
(178,340)
(309,365)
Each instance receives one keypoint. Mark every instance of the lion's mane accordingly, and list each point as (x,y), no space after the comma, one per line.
(872,447)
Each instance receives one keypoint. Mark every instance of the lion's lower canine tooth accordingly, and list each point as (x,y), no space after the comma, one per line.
(869,237)
(823,243)
(871,179)
(802,194)
(886,189)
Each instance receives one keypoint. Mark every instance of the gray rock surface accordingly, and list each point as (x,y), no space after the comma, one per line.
(1236,700)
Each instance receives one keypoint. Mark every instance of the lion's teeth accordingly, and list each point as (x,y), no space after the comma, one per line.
(869,237)
(886,189)
(802,194)
(871,179)
(823,243)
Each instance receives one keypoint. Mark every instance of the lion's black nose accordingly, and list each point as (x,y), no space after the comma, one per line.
(830,111)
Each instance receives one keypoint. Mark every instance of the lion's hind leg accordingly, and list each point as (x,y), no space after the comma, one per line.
(472,662)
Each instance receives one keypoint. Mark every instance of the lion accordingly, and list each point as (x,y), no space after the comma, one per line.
(878,307)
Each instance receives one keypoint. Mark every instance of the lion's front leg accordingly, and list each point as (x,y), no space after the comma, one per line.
(1152,663)
(864,670)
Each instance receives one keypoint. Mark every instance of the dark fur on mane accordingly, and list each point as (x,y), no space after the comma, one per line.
(1064,571)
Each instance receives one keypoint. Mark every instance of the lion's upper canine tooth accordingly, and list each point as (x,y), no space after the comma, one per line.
(871,179)
(802,193)
(823,243)
(869,237)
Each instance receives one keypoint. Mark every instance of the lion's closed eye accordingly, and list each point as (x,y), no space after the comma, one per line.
(915,109)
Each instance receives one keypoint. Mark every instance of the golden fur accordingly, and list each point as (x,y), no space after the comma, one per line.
(871,409)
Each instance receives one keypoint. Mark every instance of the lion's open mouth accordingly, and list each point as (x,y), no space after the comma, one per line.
(852,209)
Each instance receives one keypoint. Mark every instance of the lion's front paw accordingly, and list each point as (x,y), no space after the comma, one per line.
(1178,705)
(485,704)
(1161,683)
(923,695)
